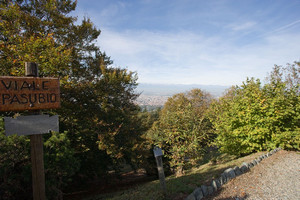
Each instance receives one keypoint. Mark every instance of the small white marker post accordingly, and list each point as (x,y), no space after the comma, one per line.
(158,157)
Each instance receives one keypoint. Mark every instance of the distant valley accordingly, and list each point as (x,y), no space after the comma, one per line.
(156,95)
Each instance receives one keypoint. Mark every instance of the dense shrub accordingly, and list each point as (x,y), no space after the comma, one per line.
(15,165)
(183,130)
(255,117)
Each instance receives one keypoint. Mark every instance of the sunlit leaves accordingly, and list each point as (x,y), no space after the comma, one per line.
(253,117)
(53,59)
(183,129)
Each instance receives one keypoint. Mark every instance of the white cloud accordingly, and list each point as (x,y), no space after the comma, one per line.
(282,28)
(242,26)
(201,42)
(187,58)
(111,10)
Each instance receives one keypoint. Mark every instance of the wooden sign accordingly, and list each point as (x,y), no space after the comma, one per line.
(31,125)
(28,93)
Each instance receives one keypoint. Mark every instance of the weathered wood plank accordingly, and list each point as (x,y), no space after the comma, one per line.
(158,154)
(29,93)
(161,174)
(37,161)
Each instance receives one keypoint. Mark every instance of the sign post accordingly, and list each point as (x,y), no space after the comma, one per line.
(37,154)
(31,93)
(158,157)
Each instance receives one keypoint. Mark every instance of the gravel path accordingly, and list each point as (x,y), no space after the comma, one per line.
(277,177)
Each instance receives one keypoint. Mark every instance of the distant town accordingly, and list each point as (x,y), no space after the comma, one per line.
(149,102)
(155,95)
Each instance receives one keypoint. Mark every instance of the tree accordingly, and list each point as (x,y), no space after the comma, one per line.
(98,118)
(282,93)
(29,33)
(239,120)
(252,117)
(183,129)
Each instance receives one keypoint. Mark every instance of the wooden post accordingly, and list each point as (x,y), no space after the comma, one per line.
(37,155)
(161,174)
(31,69)
(158,157)
(37,161)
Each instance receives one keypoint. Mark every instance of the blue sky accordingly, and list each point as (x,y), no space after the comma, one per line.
(196,41)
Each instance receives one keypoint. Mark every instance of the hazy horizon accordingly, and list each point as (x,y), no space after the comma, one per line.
(157,89)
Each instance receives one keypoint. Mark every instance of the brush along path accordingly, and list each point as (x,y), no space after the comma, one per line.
(277,177)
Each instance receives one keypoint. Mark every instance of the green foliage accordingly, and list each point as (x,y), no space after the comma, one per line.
(99,122)
(253,117)
(287,139)
(283,93)
(183,129)
(60,163)
(15,168)
(15,165)
(30,35)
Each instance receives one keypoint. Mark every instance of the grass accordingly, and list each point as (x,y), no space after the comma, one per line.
(180,187)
